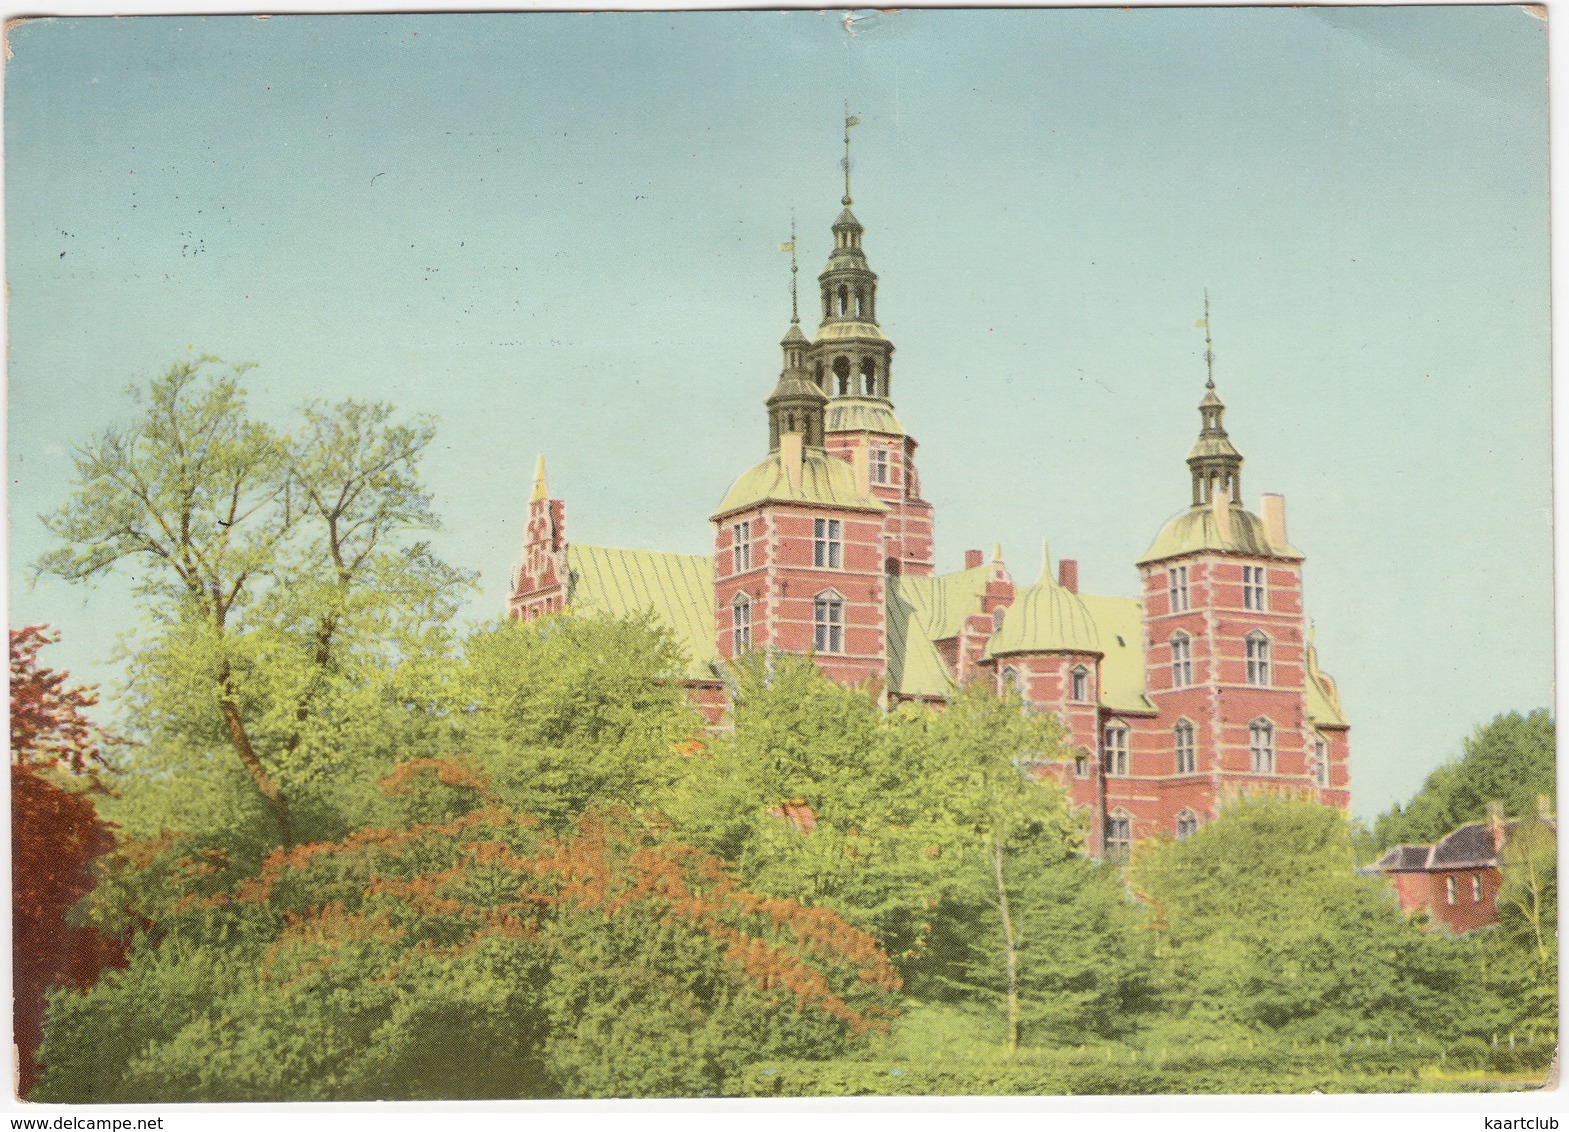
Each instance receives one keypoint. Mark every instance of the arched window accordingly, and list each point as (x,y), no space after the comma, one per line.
(1079,684)
(860,302)
(1115,742)
(1182,741)
(1181,660)
(1261,746)
(1119,833)
(844,300)
(1187,825)
(842,374)
(1010,681)
(1258,659)
(741,623)
(817,375)
(869,376)
(828,622)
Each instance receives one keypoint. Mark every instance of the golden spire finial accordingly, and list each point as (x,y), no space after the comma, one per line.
(540,492)
(849,120)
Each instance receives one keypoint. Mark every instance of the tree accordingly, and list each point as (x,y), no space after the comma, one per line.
(1509,761)
(269,564)
(462,950)
(1264,926)
(57,756)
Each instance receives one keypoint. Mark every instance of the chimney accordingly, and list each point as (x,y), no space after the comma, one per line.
(790,457)
(973,558)
(1220,507)
(1068,575)
(1274,516)
(1495,823)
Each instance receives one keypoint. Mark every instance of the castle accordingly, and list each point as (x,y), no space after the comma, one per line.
(1205,686)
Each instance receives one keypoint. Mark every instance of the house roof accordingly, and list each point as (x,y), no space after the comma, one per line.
(825,480)
(1045,617)
(922,611)
(1471,846)
(1119,624)
(862,414)
(1196,529)
(1323,700)
(678,589)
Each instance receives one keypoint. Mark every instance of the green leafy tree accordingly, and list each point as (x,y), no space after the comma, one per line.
(275,569)
(461,950)
(1263,926)
(1510,761)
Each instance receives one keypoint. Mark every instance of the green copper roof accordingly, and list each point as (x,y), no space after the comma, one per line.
(1195,529)
(678,589)
(922,611)
(1045,617)
(857,414)
(825,480)
(1323,702)
(834,331)
(1119,628)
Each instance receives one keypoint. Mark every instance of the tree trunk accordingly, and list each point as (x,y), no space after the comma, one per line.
(1011,948)
(271,793)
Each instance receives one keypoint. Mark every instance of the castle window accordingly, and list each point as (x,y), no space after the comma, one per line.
(860,302)
(844,300)
(879,457)
(1476,888)
(818,375)
(741,623)
(1181,660)
(1182,740)
(1261,746)
(1449,890)
(1010,682)
(1253,589)
(1187,825)
(1177,588)
(1116,752)
(1119,833)
(1258,659)
(842,375)
(1321,760)
(827,547)
(1081,765)
(869,377)
(1079,684)
(828,622)
(741,540)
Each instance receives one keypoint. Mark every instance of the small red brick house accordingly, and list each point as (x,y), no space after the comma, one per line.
(1205,685)
(1456,879)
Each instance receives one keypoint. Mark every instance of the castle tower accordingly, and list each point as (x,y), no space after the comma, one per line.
(1227,654)
(851,360)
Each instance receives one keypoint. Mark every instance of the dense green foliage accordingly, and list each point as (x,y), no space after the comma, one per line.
(1510,761)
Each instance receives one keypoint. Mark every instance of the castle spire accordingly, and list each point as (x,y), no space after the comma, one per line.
(1214,462)
(849,121)
(540,491)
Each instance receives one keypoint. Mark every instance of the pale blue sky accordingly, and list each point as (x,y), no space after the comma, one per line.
(559,233)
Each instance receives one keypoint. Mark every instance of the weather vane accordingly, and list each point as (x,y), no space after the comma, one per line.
(849,120)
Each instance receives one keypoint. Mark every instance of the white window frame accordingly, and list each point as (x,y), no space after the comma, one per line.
(1183,741)
(741,623)
(1258,653)
(1181,660)
(1081,764)
(879,466)
(1114,748)
(1177,588)
(1010,680)
(1255,588)
(1261,746)
(741,545)
(1079,684)
(1119,831)
(827,543)
(828,622)
(1449,890)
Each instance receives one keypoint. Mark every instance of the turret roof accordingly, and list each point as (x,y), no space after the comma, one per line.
(825,480)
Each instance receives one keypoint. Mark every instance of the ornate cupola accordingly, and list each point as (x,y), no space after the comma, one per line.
(796,404)
(1215,462)
(851,356)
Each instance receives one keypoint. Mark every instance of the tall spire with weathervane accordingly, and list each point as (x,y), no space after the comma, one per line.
(796,404)
(1215,463)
